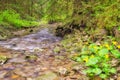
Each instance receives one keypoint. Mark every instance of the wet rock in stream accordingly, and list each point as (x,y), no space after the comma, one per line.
(17,60)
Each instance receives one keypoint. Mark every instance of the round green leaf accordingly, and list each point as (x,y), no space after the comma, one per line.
(103,52)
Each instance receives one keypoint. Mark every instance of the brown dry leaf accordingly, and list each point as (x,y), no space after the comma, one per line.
(15,76)
(44,68)
(97,78)
(118,78)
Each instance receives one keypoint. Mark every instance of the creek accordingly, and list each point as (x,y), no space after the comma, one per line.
(40,39)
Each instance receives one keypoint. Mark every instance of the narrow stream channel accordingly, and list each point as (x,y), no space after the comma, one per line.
(40,39)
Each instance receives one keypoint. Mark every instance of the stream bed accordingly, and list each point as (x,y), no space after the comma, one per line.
(22,62)
(41,39)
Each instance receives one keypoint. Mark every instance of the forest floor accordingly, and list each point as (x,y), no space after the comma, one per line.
(33,54)
(21,62)
(44,65)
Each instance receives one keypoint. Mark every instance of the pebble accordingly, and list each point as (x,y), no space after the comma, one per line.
(47,76)
(17,60)
(2,74)
(29,79)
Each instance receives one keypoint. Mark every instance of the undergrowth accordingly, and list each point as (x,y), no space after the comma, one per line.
(97,14)
(58,11)
(13,18)
(100,58)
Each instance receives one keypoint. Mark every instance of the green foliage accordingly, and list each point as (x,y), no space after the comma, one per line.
(97,58)
(57,10)
(31,57)
(3,59)
(97,13)
(119,28)
(72,43)
(109,14)
(13,18)
(56,49)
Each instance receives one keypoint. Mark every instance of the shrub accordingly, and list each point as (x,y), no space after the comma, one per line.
(97,14)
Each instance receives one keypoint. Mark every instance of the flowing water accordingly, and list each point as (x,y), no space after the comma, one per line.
(36,65)
(41,39)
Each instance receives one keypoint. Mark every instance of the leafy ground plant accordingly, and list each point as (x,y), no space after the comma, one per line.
(97,58)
